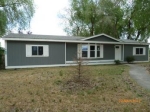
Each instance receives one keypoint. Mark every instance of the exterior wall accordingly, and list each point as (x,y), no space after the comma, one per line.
(102,38)
(16,54)
(71,52)
(128,51)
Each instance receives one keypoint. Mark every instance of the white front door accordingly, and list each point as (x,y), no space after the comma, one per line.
(118,52)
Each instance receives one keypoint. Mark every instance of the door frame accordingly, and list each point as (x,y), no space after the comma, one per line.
(116,52)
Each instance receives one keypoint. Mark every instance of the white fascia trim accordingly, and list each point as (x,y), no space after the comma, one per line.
(92,61)
(34,66)
(72,41)
(59,65)
(141,61)
(123,52)
(65,52)
(101,35)
(5,53)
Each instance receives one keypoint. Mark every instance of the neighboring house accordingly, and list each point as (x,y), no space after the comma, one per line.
(28,50)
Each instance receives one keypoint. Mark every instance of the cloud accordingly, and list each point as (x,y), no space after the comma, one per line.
(45,20)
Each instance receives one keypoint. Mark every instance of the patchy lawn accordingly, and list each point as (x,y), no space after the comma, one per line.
(109,88)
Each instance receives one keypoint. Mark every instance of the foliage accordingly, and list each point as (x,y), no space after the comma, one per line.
(117,62)
(118,18)
(130,59)
(15,13)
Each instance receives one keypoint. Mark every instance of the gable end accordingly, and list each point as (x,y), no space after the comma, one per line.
(101,37)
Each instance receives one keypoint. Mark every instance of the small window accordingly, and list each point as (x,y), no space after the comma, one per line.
(34,50)
(84,50)
(117,47)
(98,51)
(37,50)
(92,51)
(139,50)
(40,50)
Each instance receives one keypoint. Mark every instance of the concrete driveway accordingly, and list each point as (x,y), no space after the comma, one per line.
(140,74)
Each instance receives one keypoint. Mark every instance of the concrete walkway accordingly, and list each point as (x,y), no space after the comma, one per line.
(140,74)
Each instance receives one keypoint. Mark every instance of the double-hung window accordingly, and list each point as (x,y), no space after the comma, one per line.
(98,50)
(84,51)
(37,50)
(92,51)
(138,50)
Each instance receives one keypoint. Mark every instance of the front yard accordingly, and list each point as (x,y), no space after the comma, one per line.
(109,88)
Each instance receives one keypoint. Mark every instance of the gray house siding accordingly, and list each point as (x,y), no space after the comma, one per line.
(71,51)
(128,51)
(102,38)
(108,51)
(16,54)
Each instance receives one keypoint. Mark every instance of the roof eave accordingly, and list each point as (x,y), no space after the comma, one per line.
(72,41)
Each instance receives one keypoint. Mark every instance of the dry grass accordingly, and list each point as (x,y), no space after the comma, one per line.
(46,90)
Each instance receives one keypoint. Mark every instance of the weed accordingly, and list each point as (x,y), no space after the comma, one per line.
(61,73)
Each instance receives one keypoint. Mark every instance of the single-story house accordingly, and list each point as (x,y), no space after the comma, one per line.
(29,50)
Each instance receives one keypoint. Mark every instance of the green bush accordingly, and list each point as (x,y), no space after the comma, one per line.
(117,62)
(1,58)
(130,59)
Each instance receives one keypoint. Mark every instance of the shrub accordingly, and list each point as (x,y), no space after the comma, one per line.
(130,59)
(117,62)
(1,58)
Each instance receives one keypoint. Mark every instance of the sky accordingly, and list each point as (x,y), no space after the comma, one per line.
(45,20)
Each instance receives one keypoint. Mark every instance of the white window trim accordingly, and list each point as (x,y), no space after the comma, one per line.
(134,51)
(88,57)
(29,50)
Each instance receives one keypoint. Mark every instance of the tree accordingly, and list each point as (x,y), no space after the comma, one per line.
(118,18)
(15,13)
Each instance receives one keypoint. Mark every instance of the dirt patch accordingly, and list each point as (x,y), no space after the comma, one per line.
(75,84)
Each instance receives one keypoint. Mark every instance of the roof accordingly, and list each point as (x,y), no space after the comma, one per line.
(101,35)
(70,39)
(127,40)
(34,36)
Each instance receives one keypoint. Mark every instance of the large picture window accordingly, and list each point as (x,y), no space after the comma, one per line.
(92,50)
(139,51)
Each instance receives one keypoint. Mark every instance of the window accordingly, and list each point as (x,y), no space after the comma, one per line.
(84,50)
(139,51)
(98,50)
(91,50)
(37,51)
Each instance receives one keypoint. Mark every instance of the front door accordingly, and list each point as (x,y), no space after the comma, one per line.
(118,52)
